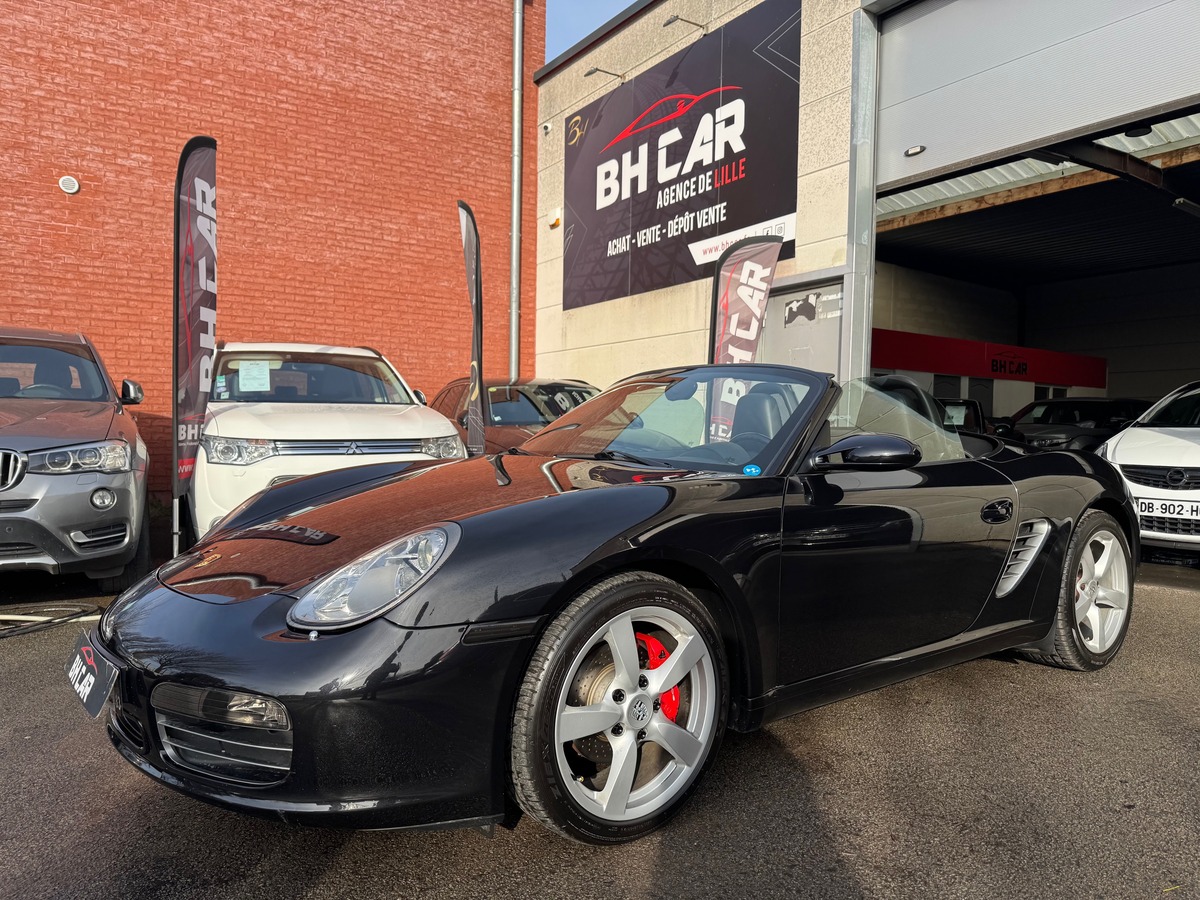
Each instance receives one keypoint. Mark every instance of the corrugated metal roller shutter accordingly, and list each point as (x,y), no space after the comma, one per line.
(978,80)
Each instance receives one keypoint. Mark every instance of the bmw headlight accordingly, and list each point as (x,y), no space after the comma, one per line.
(104,456)
(444,447)
(375,582)
(236,451)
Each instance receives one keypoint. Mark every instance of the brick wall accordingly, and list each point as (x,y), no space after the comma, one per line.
(346,131)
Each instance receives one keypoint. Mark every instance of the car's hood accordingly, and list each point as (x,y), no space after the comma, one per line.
(1143,446)
(27,424)
(285,554)
(332,421)
(502,437)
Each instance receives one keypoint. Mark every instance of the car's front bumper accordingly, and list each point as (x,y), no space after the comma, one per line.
(390,727)
(48,523)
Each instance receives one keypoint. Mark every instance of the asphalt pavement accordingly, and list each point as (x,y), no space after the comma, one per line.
(997,778)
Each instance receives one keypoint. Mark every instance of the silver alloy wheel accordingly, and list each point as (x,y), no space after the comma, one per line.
(623,709)
(1101,591)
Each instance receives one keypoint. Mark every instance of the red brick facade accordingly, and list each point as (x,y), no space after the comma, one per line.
(346,131)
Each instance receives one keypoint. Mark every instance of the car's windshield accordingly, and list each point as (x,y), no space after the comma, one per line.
(715,418)
(1060,413)
(47,370)
(1179,411)
(305,377)
(557,399)
(511,405)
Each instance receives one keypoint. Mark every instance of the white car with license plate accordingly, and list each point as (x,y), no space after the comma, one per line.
(1158,455)
(281,411)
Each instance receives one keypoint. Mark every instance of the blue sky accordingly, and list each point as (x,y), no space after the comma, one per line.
(569,21)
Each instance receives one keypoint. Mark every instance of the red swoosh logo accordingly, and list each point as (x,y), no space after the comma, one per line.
(676,104)
(86,653)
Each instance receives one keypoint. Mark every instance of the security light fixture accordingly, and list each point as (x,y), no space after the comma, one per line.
(915,151)
(673,19)
(594,69)
(1140,131)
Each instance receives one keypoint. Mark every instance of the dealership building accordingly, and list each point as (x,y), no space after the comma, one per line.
(1000,198)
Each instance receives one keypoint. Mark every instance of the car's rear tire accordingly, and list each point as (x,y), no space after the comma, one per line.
(621,710)
(1095,599)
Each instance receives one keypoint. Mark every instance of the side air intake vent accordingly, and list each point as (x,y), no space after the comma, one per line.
(1030,537)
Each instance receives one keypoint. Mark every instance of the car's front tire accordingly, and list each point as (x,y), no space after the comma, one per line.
(621,710)
(1095,598)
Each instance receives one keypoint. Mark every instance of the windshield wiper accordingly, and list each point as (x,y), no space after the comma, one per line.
(616,455)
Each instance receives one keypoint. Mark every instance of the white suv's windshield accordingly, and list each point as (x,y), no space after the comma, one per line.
(305,377)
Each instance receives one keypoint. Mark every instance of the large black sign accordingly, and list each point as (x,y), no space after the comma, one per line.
(195,300)
(672,167)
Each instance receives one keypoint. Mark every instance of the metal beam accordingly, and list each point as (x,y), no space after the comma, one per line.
(1114,162)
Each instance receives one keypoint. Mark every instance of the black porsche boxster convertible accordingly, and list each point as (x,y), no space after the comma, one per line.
(567,628)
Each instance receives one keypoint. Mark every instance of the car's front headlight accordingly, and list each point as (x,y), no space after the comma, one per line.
(1102,450)
(103,456)
(237,451)
(444,447)
(375,582)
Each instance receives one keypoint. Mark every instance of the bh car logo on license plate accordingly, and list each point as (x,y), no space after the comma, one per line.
(91,676)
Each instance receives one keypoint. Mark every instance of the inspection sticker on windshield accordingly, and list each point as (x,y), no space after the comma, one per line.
(751,470)
(1169,509)
(254,375)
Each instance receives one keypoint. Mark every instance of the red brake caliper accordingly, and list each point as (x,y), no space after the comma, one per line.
(656,655)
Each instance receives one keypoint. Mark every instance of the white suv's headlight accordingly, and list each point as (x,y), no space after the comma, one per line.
(1102,450)
(444,447)
(237,451)
(375,582)
(104,456)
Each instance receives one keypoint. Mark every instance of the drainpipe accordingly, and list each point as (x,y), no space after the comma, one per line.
(514,263)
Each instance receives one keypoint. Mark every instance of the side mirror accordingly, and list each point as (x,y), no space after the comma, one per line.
(420,395)
(1004,427)
(462,420)
(867,452)
(131,393)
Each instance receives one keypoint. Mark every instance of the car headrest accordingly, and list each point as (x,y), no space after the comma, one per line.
(757,414)
(52,372)
(9,386)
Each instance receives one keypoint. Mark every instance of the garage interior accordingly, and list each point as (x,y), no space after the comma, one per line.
(1038,189)
(1047,253)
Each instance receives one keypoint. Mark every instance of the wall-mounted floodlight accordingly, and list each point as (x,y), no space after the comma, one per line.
(673,19)
(594,69)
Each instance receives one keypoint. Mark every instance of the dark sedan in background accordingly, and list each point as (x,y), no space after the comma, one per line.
(568,628)
(513,411)
(1070,423)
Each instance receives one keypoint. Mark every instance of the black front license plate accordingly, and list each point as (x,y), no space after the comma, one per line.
(92,676)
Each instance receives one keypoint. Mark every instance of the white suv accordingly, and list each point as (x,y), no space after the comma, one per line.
(281,411)
(1159,458)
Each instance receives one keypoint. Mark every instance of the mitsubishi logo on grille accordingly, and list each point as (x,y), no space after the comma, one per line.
(354,448)
(1176,477)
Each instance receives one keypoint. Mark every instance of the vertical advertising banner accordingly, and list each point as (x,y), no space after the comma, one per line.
(741,286)
(671,167)
(195,301)
(470,242)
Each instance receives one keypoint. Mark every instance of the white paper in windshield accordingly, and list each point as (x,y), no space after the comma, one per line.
(254,375)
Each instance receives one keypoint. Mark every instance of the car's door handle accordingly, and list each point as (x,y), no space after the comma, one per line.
(997,512)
